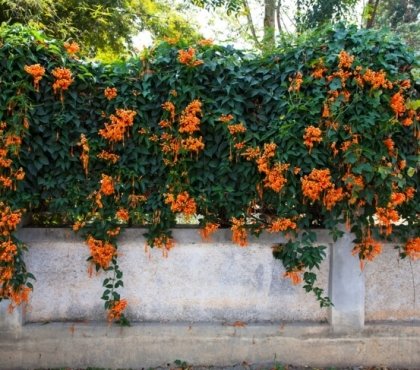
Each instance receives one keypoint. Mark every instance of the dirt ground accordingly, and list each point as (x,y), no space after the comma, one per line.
(182,365)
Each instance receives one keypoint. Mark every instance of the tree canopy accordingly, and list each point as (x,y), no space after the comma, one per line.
(103,27)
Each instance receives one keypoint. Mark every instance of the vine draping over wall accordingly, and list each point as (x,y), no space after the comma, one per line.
(322,133)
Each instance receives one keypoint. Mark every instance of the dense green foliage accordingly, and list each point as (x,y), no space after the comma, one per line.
(311,14)
(103,28)
(402,16)
(272,100)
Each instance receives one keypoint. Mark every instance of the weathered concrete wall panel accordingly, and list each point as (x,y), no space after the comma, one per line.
(197,282)
(392,288)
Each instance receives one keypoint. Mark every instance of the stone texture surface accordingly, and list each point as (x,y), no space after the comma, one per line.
(66,345)
(347,288)
(198,281)
(10,321)
(392,288)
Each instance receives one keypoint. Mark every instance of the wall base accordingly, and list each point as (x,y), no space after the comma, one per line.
(145,345)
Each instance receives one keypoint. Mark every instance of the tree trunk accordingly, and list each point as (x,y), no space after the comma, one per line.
(251,24)
(278,16)
(372,8)
(269,23)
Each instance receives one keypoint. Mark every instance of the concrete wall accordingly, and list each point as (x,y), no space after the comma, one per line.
(392,288)
(182,307)
(197,282)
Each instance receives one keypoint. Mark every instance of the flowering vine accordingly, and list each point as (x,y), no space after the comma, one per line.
(210,134)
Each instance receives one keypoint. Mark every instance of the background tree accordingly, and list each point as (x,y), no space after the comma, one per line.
(402,16)
(312,14)
(309,14)
(165,19)
(103,27)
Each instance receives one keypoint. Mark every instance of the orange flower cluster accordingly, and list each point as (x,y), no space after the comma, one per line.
(101,251)
(236,129)
(389,143)
(312,135)
(84,156)
(274,175)
(114,232)
(368,249)
(165,123)
(189,121)
(353,182)
(296,82)
(397,104)
(110,93)
(408,121)
(315,183)
(98,199)
(192,144)
(154,138)
(208,230)
(205,42)
(318,73)
(326,111)
(4,161)
(78,225)
(188,58)
(116,310)
(345,60)
(19,174)
(10,269)
(342,75)
(120,122)
(13,140)
(409,192)
(17,296)
(397,199)
(225,118)
(386,216)
(135,199)
(171,40)
(107,185)
(6,273)
(170,145)
(107,156)
(274,178)
(294,275)
(402,164)
(332,197)
(252,153)
(239,235)
(183,203)
(6,182)
(240,145)
(63,79)
(264,158)
(163,242)
(170,107)
(405,84)
(72,47)
(8,219)
(345,145)
(122,215)
(8,251)
(37,72)
(412,248)
(319,70)
(377,79)
(282,224)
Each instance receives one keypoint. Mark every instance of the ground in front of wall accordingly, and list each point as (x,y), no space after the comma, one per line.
(183,365)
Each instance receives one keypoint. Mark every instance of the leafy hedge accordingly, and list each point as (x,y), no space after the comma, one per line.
(317,134)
